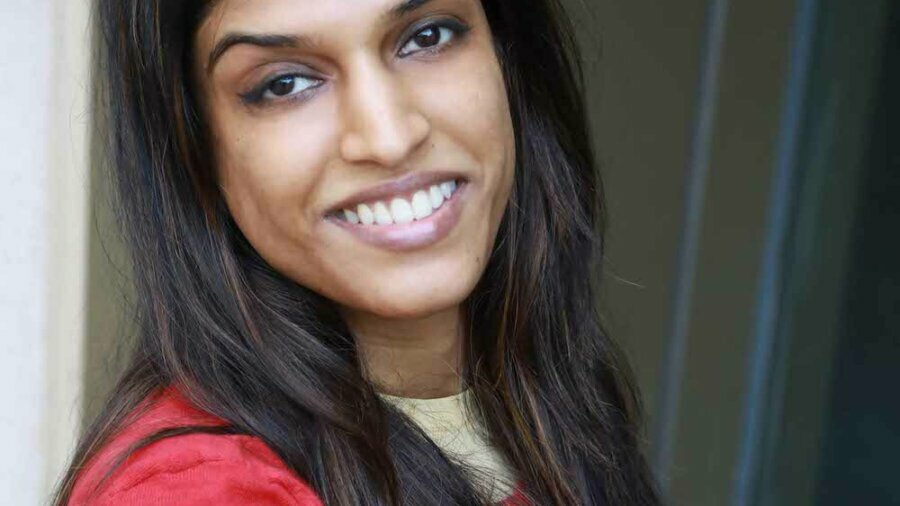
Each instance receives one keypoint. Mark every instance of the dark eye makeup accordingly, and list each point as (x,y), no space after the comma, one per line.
(280,86)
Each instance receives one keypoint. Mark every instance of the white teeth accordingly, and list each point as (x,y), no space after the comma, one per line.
(421,205)
(436,197)
(401,211)
(382,215)
(447,188)
(351,216)
(366,216)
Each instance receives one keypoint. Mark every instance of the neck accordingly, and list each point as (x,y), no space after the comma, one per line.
(411,357)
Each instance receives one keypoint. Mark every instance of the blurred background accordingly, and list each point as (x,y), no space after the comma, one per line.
(751,156)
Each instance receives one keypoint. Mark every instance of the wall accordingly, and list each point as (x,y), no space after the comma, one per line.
(43,219)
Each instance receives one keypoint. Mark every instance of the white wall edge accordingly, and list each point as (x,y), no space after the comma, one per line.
(68,215)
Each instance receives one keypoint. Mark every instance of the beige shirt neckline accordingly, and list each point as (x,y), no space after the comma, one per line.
(448,422)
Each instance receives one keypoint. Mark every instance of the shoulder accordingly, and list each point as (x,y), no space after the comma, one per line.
(189,469)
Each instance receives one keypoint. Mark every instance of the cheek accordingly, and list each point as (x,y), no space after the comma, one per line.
(471,96)
(268,171)
(469,102)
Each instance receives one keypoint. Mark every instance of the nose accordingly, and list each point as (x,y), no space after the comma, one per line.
(382,127)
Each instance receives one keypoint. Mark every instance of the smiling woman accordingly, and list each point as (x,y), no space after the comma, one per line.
(366,116)
(365,239)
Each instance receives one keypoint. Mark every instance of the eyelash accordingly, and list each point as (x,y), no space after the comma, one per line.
(257,95)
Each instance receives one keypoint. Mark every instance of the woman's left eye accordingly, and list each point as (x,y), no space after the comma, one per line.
(432,37)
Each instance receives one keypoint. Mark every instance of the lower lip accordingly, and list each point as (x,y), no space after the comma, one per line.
(415,234)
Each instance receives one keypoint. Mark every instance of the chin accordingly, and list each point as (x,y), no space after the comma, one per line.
(411,298)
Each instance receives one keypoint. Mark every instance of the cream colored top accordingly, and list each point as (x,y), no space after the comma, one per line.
(446,420)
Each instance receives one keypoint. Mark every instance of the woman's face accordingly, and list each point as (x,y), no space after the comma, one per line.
(364,147)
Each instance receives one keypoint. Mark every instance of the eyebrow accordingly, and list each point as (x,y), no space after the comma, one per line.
(294,41)
(405,7)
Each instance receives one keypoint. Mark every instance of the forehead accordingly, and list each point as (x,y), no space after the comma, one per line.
(319,19)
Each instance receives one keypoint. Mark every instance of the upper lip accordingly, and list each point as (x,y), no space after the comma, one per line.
(399,186)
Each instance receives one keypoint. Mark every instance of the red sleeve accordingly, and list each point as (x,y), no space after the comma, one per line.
(201,469)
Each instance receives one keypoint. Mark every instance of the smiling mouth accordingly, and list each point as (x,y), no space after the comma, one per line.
(419,218)
(415,205)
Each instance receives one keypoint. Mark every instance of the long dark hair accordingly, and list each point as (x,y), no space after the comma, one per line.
(276,361)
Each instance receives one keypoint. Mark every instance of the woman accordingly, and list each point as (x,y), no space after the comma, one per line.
(365,241)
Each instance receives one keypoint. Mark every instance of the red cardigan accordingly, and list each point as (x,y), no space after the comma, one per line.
(193,469)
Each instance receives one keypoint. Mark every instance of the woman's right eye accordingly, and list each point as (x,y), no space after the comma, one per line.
(280,88)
